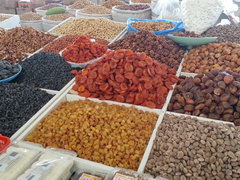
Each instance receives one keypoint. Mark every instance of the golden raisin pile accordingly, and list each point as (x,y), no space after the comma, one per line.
(110,134)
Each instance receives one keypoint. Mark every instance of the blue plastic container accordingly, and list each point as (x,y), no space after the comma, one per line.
(12,77)
(178,26)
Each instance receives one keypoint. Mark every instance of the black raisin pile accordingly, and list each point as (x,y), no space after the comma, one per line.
(7,69)
(18,103)
(45,70)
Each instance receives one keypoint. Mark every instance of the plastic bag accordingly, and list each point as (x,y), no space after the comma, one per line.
(199,15)
(178,26)
(168,9)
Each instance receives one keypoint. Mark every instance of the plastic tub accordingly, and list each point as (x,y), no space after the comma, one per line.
(4,143)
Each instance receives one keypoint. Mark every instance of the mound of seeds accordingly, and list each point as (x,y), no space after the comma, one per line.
(18,104)
(113,135)
(226,33)
(110,3)
(186,149)
(94,27)
(155,46)
(58,17)
(16,42)
(80,4)
(45,70)
(96,9)
(30,16)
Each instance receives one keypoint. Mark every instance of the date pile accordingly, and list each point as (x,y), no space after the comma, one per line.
(222,56)
(45,70)
(213,95)
(84,50)
(129,77)
(157,47)
(16,42)
(186,149)
(110,134)
(18,104)
(187,34)
(152,25)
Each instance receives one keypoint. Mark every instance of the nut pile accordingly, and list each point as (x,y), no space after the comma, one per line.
(110,3)
(223,56)
(186,149)
(50,6)
(30,16)
(133,7)
(2,32)
(45,70)
(80,4)
(58,17)
(61,43)
(213,95)
(7,69)
(226,33)
(94,27)
(129,77)
(155,46)
(187,34)
(152,25)
(4,17)
(113,135)
(96,9)
(84,50)
(18,41)
(18,104)
(141,1)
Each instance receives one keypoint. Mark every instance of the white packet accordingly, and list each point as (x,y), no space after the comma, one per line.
(49,166)
(15,161)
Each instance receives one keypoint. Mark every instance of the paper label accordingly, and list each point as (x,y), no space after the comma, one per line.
(9,160)
(85,176)
(123,177)
(40,171)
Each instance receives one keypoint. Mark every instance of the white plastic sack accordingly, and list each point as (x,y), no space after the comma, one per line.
(167,9)
(199,15)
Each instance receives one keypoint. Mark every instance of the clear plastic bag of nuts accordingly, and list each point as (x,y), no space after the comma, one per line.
(126,174)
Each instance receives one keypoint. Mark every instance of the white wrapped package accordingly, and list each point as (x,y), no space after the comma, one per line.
(15,161)
(199,15)
(50,166)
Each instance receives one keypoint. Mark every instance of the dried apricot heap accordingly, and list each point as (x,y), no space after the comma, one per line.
(110,134)
(129,77)
(83,50)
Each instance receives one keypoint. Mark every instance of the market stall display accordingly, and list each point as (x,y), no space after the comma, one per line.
(130,131)
(94,11)
(59,44)
(15,161)
(222,56)
(31,19)
(111,3)
(187,34)
(16,43)
(123,12)
(94,27)
(84,50)
(125,76)
(213,95)
(45,70)
(15,108)
(42,10)
(79,4)
(144,41)
(186,148)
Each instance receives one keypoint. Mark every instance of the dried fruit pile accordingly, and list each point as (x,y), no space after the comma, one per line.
(16,42)
(7,69)
(213,95)
(113,135)
(30,16)
(141,1)
(185,148)
(18,104)
(61,43)
(152,25)
(110,3)
(125,76)
(96,9)
(58,17)
(223,56)
(187,34)
(80,4)
(45,70)
(133,7)
(84,50)
(157,47)
(102,28)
